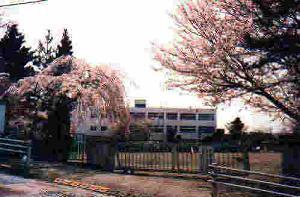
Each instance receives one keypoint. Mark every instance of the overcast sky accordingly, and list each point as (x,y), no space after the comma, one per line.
(120,32)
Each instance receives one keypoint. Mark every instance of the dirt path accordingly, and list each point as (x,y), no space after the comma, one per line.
(152,186)
(13,186)
(146,184)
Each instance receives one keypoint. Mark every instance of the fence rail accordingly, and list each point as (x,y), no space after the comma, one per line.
(254,182)
(15,154)
(16,146)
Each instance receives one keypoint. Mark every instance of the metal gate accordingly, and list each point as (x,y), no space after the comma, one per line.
(78,149)
(164,157)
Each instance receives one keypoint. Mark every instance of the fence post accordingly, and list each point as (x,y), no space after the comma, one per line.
(117,160)
(27,164)
(200,158)
(174,150)
(29,152)
(206,159)
(246,163)
(214,188)
(211,156)
(244,143)
(212,171)
(178,147)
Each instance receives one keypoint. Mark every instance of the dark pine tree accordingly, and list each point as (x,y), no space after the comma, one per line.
(236,128)
(14,54)
(65,46)
(277,25)
(45,52)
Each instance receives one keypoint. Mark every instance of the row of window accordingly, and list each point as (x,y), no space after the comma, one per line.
(95,128)
(183,129)
(160,129)
(174,116)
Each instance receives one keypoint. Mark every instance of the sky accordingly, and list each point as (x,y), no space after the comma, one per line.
(120,33)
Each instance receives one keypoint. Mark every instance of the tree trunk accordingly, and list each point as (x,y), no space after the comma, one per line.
(291,158)
(58,132)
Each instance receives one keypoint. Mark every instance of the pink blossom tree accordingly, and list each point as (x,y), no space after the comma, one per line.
(55,92)
(208,56)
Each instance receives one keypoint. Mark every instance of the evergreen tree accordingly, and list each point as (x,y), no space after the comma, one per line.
(14,54)
(236,128)
(65,46)
(45,52)
(278,24)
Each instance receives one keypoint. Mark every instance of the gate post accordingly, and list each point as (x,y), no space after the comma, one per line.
(214,189)
(245,144)
(203,159)
(28,160)
(200,159)
(246,163)
(101,152)
(174,156)
(206,157)
(245,152)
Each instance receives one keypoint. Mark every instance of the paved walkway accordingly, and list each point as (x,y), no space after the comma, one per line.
(13,186)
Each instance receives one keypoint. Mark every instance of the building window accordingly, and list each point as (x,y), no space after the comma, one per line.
(187,116)
(206,117)
(156,129)
(152,115)
(172,116)
(93,128)
(171,133)
(171,128)
(188,129)
(138,115)
(103,128)
(202,129)
(140,105)
(93,114)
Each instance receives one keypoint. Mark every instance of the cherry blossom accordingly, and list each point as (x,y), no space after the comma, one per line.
(208,57)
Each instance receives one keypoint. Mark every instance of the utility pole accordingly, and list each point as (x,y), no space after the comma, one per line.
(22,3)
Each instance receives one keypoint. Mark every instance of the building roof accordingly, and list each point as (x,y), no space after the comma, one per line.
(168,109)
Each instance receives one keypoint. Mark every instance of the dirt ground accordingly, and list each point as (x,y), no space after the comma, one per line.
(152,186)
(144,184)
(266,162)
(14,186)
